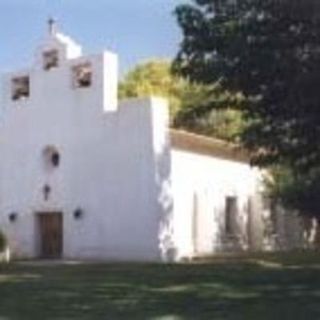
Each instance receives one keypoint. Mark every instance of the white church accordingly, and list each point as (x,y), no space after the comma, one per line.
(85,176)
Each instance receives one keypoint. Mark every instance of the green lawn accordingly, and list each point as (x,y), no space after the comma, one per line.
(262,287)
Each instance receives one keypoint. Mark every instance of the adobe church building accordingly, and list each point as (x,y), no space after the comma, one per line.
(84,176)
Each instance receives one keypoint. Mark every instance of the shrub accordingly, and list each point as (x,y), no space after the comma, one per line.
(3,241)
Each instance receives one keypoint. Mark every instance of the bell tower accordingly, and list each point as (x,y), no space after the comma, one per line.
(62,77)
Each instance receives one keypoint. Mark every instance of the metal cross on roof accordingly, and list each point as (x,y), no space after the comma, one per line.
(52,25)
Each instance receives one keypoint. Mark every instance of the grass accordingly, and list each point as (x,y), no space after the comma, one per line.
(256,287)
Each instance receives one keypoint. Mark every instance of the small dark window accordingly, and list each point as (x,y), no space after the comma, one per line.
(82,75)
(55,159)
(20,88)
(78,213)
(231,212)
(52,157)
(13,217)
(50,59)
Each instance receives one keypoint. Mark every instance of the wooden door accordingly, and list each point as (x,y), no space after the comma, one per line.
(50,227)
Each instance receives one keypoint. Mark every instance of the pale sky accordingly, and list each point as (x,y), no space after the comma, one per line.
(136,29)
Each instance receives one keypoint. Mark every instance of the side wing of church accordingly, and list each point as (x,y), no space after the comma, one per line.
(83,176)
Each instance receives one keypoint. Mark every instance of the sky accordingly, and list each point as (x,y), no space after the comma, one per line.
(136,30)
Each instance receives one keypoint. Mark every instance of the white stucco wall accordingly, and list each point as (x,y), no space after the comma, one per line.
(115,161)
(210,180)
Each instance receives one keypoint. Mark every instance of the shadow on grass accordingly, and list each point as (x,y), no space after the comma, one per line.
(226,290)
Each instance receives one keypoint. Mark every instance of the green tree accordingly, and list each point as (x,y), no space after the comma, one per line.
(203,113)
(3,241)
(155,77)
(298,192)
(269,50)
